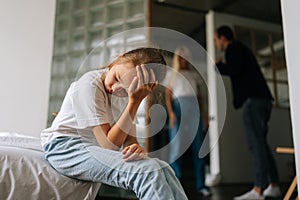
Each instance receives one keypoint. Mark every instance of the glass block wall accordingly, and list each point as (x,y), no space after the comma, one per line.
(79,27)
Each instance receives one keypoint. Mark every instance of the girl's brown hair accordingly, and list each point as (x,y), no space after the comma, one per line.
(151,56)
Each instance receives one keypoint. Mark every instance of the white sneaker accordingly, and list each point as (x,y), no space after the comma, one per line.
(205,192)
(251,195)
(272,191)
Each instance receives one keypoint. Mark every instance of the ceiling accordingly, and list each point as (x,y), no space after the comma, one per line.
(188,16)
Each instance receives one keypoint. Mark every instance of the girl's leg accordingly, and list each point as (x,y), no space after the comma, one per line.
(174,183)
(88,162)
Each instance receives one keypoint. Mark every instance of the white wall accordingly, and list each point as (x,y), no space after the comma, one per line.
(291,28)
(25,50)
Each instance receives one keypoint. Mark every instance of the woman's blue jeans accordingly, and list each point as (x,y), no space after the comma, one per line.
(187,127)
(256,114)
(150,179)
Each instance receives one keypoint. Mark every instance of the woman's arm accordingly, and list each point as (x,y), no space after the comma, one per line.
(172,116)
(203,111)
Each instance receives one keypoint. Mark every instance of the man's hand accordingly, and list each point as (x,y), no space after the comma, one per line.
(219,60)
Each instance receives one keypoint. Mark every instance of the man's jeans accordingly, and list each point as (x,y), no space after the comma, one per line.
(256,114)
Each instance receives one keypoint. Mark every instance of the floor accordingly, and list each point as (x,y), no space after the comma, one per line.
(220,192)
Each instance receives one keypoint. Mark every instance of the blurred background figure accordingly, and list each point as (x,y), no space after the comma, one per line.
(183,123)
(251,92)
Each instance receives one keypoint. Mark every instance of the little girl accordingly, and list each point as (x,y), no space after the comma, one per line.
(84,140)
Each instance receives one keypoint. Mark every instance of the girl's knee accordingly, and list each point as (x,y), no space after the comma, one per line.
(157,166)
(149,165)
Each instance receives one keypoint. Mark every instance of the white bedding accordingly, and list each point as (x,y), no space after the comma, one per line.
(25,174)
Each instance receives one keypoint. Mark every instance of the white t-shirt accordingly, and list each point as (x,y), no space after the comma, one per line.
(183,83)
(85,105)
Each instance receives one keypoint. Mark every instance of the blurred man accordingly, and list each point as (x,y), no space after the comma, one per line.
(250,91)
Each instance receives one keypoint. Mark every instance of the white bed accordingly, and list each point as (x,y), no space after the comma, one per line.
(25,174)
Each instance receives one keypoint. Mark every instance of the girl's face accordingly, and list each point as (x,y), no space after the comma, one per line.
(118,79)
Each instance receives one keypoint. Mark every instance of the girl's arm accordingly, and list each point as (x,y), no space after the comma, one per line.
(115,136)
(132,150)
(131,138)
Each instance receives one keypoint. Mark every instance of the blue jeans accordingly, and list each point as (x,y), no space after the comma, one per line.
(187,127)
(256,114)
(149,178)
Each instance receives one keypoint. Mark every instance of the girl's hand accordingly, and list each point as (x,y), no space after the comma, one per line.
(142,85)
(133,152)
